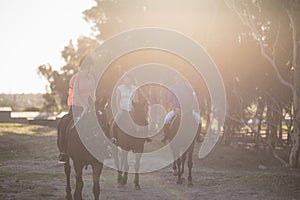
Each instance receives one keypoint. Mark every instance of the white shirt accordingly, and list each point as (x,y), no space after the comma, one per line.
(126,95)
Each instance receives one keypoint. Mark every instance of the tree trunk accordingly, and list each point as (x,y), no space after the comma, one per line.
(259,116)
(295,136)
(294,155)
(280,121)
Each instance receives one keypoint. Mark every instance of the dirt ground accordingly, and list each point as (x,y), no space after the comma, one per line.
(29,170)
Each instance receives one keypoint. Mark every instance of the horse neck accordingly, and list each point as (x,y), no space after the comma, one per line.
(139,117)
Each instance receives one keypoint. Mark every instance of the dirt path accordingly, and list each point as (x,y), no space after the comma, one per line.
(29,170)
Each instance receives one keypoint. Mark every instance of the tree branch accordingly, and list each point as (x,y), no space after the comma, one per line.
(248,21)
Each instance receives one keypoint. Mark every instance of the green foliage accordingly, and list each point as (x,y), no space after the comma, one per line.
(32,108)
(58,80)
(247,75)
(50,104)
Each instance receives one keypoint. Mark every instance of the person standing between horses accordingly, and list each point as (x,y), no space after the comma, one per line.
(81,89)
(180,88)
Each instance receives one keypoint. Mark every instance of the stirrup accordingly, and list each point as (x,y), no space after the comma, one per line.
(114,140)
(165,139)
(62,158)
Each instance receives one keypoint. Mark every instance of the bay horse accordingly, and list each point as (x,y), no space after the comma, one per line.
(75,150)
(178,164)
(129,143)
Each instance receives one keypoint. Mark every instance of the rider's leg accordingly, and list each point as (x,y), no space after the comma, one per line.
(63,138)
(197,117)
(167,122)
(115,127)
(74,113)
(77,112)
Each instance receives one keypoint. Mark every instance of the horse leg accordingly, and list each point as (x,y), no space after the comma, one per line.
(183,158)
(97,169)
(137,168)
(175,172)
(118,167)
(178,162)
(117,163)
(79,182)
(124,164)
(119,177)
(190,164)
(67,168)
(180,166)
(174,168)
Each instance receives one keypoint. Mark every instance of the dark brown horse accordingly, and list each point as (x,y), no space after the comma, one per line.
(178,165)
(75,150)
(129,143)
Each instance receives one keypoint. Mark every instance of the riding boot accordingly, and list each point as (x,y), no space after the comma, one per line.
(63,140)
(62,154)
(114,133)
(166,129)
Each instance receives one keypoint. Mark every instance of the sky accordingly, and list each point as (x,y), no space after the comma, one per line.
(32,33)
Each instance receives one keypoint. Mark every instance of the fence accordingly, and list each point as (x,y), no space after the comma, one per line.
(37,118)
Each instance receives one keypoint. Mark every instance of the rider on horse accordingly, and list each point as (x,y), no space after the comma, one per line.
(81,88)
(127,94)
(180,88)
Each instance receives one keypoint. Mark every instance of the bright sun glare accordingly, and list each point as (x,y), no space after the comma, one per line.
(33,33)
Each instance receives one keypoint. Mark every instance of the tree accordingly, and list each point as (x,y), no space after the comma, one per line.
(274,25)
(58,80)
(245,45)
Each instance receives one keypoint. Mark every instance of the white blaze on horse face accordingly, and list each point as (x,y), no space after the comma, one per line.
(187,49)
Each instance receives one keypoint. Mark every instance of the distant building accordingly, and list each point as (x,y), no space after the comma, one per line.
(5,114)
(38,118)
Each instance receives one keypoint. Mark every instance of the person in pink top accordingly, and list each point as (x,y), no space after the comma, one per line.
(81,88)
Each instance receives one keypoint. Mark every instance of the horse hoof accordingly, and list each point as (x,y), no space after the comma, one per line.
(137,187)
(123,182)
(190,184)
(179,182)
(69,197)
(119,181)
(120,185)
(175,173)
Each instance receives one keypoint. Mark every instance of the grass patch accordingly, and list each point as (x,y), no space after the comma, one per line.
(22,141)
(25,129)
